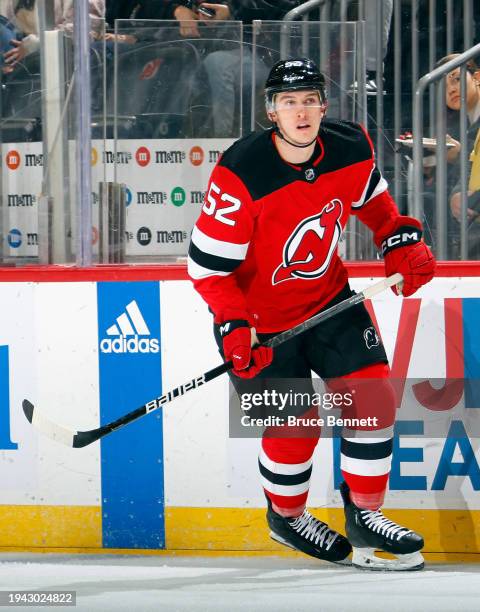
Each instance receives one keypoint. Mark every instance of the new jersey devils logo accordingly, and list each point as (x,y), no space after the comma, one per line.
(309,249)
(371,337)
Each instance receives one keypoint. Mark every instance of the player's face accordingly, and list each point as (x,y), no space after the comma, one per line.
(453,89)
(298,114)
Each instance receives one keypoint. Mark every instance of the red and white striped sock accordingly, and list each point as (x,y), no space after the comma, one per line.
(366,452)
(285,465)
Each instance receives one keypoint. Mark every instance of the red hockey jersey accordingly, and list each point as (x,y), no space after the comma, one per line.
(265,246)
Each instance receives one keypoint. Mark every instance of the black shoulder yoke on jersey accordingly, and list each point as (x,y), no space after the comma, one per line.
(257,163)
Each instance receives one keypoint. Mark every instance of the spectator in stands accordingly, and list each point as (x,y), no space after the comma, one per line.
(154,9)
(181,10)
(473,133)
(144,10)
(184,12)
(224,68)
(121,9)
(371,35)
(473,143)
(8,33)
(21,18)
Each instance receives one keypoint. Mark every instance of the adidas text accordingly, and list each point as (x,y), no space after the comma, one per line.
(133,344)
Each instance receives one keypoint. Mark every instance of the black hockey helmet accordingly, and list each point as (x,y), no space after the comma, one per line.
(292,75)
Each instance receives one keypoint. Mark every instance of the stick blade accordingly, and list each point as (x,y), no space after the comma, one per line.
(28,408)
(46,426)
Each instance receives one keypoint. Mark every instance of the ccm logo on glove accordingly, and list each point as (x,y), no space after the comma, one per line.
(407,235)
(405,252)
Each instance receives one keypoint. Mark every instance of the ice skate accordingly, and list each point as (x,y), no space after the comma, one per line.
(308,535)
(369,530)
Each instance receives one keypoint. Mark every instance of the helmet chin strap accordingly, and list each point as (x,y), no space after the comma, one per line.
(299,146)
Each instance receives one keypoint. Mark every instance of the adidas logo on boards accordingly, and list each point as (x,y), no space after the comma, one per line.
(130,331)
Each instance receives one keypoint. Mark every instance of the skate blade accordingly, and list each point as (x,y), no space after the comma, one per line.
(280,540)
(365,558)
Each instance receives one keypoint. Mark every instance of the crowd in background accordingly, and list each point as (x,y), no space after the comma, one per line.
(222,72)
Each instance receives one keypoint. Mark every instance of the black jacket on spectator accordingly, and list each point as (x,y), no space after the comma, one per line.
(139,9)
(474,199)
(269,10)
(241,10)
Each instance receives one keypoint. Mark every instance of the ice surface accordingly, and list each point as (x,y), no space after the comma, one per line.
(250,584)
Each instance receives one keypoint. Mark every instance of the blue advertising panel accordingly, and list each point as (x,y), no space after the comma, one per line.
(129,376)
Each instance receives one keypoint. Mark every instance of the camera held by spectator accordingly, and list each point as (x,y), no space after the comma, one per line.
(198,7)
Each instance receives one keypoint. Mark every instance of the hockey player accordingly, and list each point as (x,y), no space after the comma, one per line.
(263,255)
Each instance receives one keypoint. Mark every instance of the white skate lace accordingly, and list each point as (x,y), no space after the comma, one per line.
(314,530)
(379,523)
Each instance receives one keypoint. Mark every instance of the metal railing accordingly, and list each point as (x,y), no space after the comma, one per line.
(417,208)
(300,12)
(325,13)
(421,33)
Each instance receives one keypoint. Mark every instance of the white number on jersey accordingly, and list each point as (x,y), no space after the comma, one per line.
(221,214)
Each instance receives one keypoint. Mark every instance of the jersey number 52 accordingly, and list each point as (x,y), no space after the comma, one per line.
(211,205)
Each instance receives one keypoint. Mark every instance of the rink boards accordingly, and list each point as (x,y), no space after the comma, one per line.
(87,347)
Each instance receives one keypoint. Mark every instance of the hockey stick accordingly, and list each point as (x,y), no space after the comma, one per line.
(78,439)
